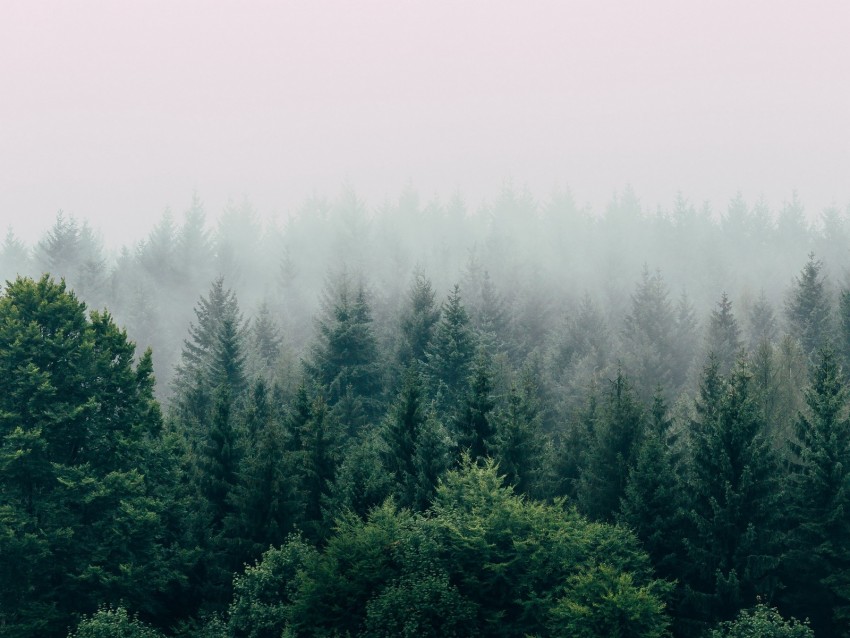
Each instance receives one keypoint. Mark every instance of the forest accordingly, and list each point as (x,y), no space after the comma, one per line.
(422,418)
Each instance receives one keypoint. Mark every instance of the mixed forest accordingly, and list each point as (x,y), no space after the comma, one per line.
(423,419)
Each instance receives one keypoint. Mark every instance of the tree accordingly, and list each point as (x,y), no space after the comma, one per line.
(81,519)
(344,355)
(450,354)
(652,504)
(648,331)
(733,499)
(724,335)
(113,623)
(764,622)
(818,559)
(212,355)
(518,446)
(762,322)
(475,428)
(613,447)
(808,309)
(418,321)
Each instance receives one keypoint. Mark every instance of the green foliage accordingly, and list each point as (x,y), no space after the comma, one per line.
(344,355)
(113,623)
(724,335)
(81,522)
(263,594)
(616,435)
(732,486)
(450,353)
(761,622)
(808,308)
(818,557)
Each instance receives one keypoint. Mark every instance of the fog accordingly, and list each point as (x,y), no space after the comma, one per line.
(115,112)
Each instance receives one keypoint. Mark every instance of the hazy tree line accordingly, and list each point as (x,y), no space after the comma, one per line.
(418,421)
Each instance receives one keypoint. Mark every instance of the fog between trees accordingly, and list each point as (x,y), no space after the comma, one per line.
(660,391)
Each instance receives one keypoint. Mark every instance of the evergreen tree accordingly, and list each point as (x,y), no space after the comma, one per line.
(212,355)
(818,560)
(518,446)
(418,321)
(614,444)
(808,308)
(401,433)
(724,335)
(652,504)
(733,500)
(80,513)
(450,354)
(475,429)
(344,355)
(648,333)
(762,322)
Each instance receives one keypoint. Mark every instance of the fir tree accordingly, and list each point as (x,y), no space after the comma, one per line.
(724,335)
(808,308)
(733,500)
(450,354)
(818,561)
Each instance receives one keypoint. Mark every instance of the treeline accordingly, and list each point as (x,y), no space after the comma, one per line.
(487,460)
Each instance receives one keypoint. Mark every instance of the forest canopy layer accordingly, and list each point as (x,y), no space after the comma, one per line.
(423,420)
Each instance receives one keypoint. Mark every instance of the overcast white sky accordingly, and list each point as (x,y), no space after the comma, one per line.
(114,110)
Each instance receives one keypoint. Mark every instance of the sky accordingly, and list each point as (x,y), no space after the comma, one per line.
(114,111)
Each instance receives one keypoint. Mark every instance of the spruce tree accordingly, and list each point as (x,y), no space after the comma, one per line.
(418,320)
(808,308)
(450,354)
(734,547)
(818,559)
(80,510)
(724,335)
(344,355)
(616,436)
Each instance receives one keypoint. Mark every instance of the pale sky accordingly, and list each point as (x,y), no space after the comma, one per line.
(115,110)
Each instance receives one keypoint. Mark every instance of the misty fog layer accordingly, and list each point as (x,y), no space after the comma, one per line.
(429,418)
(545,259)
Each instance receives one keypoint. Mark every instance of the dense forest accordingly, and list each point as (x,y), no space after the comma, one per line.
(420,419)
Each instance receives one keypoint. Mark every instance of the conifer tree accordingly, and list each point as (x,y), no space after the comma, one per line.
(475,428)
(724,335)
(648,336)
(80,512)
(734,547)
(808,308)
(652,505)
(418,320)
(518,446)
(344,355)
(614,443)
(450,354)
(818,560)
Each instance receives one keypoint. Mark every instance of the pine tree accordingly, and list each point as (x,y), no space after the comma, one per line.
(808,309)
(762,322)
(518,445)
(418,321)
(450,354)
(475,429)
(724,335)
(733,500)
(615,439)
(818,561)
(212,354)
(652,505)
(79,431)
(401,433)
(344,355)
(648,335)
